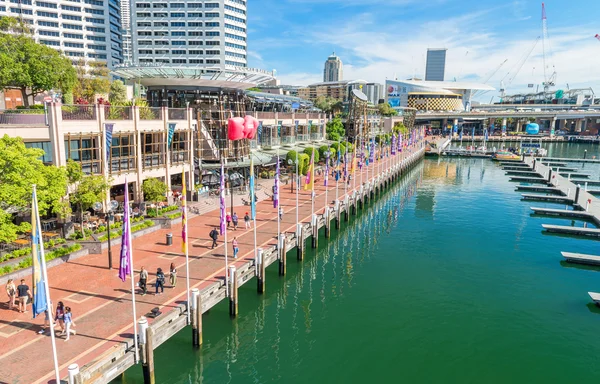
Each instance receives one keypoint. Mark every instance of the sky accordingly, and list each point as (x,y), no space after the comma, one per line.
(386,39)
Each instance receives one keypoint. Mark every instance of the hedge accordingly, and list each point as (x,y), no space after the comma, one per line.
(134,228)
(27,262)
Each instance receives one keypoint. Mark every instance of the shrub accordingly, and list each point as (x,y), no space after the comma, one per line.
(322,150)
(309,152)
(174,215)
(291,155)
(304,162)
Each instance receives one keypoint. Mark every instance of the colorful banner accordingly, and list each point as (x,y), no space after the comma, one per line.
(485,133)
(326,178)
(108,129)
(259,130)
(338,161)
(393,144)
(346,162)
(276,186)
(473,133)
(309,126)
(400,143)
(40,302)
(252,200)
(279,123)
(461,134)
(372,152)
(184,248)
(310,175)
(125,264)
(171,132)
(222,197)
(296,122)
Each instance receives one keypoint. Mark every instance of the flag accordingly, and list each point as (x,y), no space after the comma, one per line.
(279,123)
(372,152)
(485,132)
(337,164)
(473,133)
(276,186)
(252,201)
(346,163)
(460,134)
(400,143)
(183,215)
(222,197)
(326,178)
(353,164)
(259,130)
(125,264)
(108,128)
(296,122)
(40,301)
(170,134)
(393,144)
(310,175)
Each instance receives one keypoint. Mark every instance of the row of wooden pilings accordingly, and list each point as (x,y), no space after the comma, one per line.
(152,335)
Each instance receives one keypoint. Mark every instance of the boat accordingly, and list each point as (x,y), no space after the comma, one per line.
(506,156)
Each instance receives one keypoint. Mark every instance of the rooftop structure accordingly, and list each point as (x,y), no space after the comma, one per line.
(339,90)
(334,70)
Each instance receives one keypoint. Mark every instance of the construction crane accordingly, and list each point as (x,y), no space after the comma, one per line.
(488,77)
(597,37)
(549,78)
(516,68)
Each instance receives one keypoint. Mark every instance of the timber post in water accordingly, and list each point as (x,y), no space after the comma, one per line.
(147,349)
(337,214)
(300,242)
(233,298)
(74,375)
(282,254)
(347,208)
(327,218)
(260,278)
(196,310)
(315,230)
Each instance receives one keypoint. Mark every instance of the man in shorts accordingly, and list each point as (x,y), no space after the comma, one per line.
(23,295)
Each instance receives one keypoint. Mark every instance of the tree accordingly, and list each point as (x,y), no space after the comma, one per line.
(322,150)
(399,127)
(328,104)
(309,151)
(30,67)
(154,190)
(118,93)
(92,80)
(21,169)
(303,163)
(386,110)
(88,190)
(254,89)
(335,129)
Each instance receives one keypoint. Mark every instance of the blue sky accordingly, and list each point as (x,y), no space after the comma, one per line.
(379,39)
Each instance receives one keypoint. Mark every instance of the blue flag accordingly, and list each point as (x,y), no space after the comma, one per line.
(473,133)
(485,132)
(109,134)
(40,301)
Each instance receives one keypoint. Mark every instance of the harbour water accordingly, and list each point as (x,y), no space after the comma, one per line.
(445,279)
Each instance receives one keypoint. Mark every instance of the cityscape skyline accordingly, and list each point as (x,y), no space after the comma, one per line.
(296,40)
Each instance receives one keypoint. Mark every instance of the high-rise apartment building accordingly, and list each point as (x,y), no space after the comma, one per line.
(334,70)
(87,30)
(436,64)
(126,32)
(190,33)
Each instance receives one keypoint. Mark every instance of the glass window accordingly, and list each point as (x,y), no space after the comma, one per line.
(46,5)
(46,146)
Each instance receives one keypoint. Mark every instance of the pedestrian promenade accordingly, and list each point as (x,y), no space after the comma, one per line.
(101,302)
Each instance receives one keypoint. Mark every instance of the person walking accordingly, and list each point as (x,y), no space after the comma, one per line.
(143,280)
(235,221)
(228,218)
(234,243)
(69,323)
(24,294)
(280,213)
(59,316)
(11,291)
(46,320)
(160,281)
(247,220)
(214,235)
(172,275)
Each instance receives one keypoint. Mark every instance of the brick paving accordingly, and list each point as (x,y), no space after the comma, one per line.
(101,302)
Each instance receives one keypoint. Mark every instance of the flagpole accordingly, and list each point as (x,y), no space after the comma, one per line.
(130,261)
(277,206)
(223,212)
(297,192)
(253,212)
(46,284)
(187,252)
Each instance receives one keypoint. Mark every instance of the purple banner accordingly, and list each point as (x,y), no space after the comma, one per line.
(346,164)
(393,144)
(276,186)
(400,142)
(125,263)
(326,178)
(222,198)
(372,151)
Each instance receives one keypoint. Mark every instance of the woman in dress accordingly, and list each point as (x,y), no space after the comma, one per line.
(11,291)
(172,275)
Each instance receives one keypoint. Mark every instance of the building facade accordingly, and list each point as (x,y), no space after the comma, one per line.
(339,90)
(88,30)
(126,32)
(194,33)
(334,69)
(435,67)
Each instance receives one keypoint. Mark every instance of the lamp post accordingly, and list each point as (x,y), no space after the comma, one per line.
(290,162)
(112,205)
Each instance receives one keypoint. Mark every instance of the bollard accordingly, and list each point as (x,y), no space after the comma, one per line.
(584,153)
(74,375)
(549,175)
(347,210)
(577,190)
(315,231)
(587,204)
(233,297)
(169,239)
(283,256)
(260,278)
(300,242)
(193,309)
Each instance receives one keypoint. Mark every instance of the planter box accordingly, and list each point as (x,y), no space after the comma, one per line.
(27,271)
(166,223)
(96,247)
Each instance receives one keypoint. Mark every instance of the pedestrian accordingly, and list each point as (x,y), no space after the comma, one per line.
(59,317)
(255,198)
(247,220)
(280,213)
(214,235)
(69,323)
(160,281)
(235,221)
(24,294)
(143,280)
(46,320)
(234,243)
(172,275)
(11,291)
(228,218)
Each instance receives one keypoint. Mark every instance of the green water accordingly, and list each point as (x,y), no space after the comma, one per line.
(445,279)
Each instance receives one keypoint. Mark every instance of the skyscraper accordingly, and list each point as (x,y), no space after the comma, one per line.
(89,30)
(436,64)
(202,33)
(126,32)
(333,69)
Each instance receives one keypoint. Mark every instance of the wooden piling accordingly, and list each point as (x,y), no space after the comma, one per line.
(148,357)
(233,297)
(315,231)
(198,320)
(193,310)
(260,278)
(283,256)
(338,210)
(300,242)
(327,218)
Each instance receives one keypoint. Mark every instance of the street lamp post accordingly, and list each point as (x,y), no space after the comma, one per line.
(109,215)
(327,153)
(290,162)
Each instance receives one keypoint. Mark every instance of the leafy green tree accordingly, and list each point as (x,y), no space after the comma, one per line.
(386,110)
(92,80)
(89,190)
(328,104)
(118,93)
(399,127)
(30,67)
(309,151)
(304,161)
(335,129)
(21,169)
(322,150)
(154,190)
